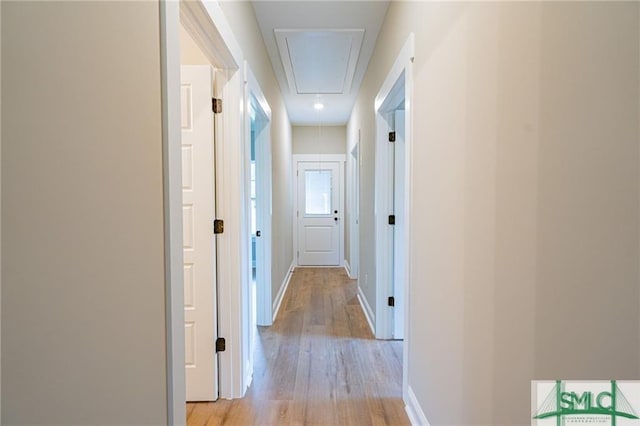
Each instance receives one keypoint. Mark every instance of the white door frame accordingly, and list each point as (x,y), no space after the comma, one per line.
(340,158)
(208,26)
(353,207)
(387,98)
(253,93)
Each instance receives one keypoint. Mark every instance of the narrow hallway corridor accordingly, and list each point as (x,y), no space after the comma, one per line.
(317,364)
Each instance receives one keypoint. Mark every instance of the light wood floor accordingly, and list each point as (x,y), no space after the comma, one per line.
(317,364)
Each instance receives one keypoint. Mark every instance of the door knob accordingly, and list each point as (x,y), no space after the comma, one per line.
(335,218)
(258,233)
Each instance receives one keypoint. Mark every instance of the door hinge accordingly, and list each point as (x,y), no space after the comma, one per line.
(216,105)
(221,344)
(391,301)
(218,226)
(392,219)
(392,136)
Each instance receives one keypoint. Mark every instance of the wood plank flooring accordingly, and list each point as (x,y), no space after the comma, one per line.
(317,365)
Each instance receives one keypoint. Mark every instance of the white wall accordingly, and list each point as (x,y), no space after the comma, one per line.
(243,22)
(83,295)
(319,139)
(525,257)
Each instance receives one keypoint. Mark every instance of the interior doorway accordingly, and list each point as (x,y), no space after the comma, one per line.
(258,202)
(319,209)
(391,250)
(393,199)
(208,46)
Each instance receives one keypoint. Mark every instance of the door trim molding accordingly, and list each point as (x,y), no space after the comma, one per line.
(386,98)
(283,290)
(353,207)
(302,158)
(264,312)
(172,188)
(215,37)
(263,271)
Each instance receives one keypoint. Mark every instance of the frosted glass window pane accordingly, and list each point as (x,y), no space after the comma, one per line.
(317,184)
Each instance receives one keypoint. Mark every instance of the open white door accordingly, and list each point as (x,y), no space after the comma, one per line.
(198,198)
(319,213)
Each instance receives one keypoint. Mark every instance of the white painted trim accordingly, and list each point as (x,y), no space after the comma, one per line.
(248,374)
(172,182)
(282,291)
(298,158)
(252,90)
(402,65)
(229,201)
(414,410)
(212,30)
(264,309)
(404,58)
(366,308)
(197,19)
(208,26)
(256,90)
(353,205)
(408,188)
(347,268)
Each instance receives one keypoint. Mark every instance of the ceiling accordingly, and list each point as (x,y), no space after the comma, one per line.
(320,51)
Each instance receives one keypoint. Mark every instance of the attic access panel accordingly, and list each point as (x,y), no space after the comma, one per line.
(319,61)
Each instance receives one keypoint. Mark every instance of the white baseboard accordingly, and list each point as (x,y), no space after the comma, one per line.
(414,411)
(282,291)
(347,268)
(248,376)
(368,312)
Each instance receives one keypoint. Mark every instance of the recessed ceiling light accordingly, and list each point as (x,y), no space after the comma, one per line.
(318,106)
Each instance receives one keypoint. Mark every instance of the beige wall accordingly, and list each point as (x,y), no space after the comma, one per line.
(190,53)
(525,171)
(242,20)
(319,139)
(83,304)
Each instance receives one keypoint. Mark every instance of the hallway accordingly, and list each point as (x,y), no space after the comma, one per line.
(317,364)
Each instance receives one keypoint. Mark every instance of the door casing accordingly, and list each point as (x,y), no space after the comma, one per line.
(353,209)
(254,98)
(208,26)
(397,86)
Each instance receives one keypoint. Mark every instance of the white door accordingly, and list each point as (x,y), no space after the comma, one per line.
(319,213)
(198,206)
(398,228)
